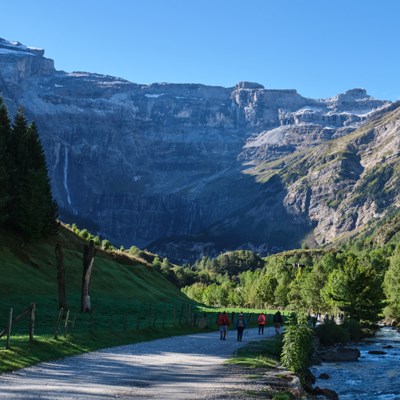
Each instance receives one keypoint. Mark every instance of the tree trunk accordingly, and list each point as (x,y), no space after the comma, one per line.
(88,258)
(62,300)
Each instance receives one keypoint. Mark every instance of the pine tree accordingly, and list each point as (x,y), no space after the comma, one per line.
(47,211)
(356,288)
(4,163)
(33,211)
(17,168)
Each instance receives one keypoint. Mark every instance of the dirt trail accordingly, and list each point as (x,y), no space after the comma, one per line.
(177,368)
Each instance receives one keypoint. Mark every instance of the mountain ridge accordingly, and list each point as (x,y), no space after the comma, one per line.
(162,165)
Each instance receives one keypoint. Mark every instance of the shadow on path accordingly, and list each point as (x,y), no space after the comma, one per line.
(180,367)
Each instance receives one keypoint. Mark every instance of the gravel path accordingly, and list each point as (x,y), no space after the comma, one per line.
(182,367)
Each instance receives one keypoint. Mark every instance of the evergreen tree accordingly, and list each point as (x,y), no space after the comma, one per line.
(5,197)
(33,211)
(392,284)
(18,179)
(356,288)
(48,210)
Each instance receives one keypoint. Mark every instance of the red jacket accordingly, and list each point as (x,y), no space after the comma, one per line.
(261,319)
(223,320)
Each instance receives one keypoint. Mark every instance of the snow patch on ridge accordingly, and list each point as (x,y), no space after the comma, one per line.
(154,96)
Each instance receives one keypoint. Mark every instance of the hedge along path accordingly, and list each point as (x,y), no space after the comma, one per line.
(175,368)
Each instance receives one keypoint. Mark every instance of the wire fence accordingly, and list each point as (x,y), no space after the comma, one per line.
(140,316)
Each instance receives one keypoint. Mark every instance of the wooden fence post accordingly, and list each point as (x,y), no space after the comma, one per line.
(62,300)
(71,331)
(60,314)
(155,320)
(149,315)
(91,320)
(32,322)
(9,329)
(66,324)
(125,322)
(180,316)
(188,314)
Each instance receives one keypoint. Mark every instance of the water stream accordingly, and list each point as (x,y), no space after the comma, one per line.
(373,376)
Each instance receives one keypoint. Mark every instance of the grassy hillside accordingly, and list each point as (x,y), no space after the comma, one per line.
(118,283)
(130,301)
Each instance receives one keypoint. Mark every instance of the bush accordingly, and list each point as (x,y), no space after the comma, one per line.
(134,250)
(329,333)
(353,329)
(106,245)
(297,346)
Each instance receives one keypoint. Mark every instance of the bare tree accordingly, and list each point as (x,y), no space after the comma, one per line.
(62,300)
(88,258)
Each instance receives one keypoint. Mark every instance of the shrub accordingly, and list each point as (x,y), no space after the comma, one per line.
(84,233)
(329,333)
(353,329)
(106,245)
(297,346)
(134,250)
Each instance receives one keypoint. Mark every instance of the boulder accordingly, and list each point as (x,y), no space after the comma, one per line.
(328,393)
(378,352)
(340,354)
(324,376)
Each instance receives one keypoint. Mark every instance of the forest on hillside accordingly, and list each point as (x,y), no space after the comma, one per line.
(360,277)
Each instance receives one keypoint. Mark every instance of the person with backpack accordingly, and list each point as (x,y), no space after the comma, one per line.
(241,325)
(261,323)
(277,320)
(223,323)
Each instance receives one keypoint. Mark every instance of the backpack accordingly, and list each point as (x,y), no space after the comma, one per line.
(240,323)
(277,318)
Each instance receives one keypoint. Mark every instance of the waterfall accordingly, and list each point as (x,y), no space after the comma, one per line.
(66,176)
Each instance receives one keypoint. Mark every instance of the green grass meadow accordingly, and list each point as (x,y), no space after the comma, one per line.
(130,301)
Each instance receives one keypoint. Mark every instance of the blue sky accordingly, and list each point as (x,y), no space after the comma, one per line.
(319,47)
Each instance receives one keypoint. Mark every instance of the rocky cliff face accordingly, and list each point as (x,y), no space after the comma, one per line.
(183,169)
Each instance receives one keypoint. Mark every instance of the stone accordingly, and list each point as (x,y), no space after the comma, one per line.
(377,352)
(328,393)
(340,354)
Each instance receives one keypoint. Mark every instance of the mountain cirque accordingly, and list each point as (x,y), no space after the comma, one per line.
(189,169)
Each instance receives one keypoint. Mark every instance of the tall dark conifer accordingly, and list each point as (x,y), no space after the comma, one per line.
(17,167)
(47,210)
(34,211)
(5,196)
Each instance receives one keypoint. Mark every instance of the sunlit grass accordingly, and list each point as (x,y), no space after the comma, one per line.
(262,353)
(131,302)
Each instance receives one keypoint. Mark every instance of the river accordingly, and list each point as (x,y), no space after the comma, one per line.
(373,376)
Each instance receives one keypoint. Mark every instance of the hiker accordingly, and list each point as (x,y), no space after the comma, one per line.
(223,323)
(277,320)
(261,323)
(241,325)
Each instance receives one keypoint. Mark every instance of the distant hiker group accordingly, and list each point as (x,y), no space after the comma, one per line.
(241,324)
